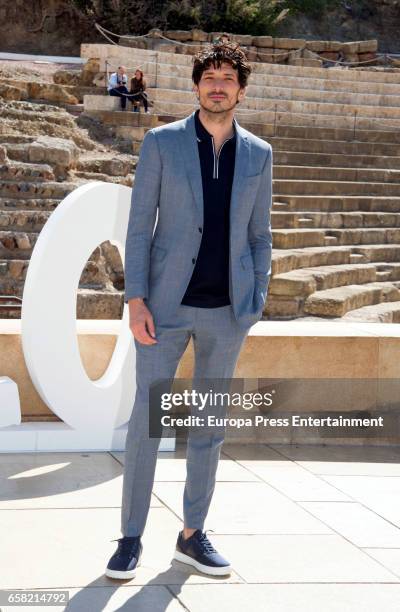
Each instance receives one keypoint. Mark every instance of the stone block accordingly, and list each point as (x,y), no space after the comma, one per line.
(199,35)
(289,43)
(155,33)
(331,55)
(368,46)
(212,36)
(167,47)
(9,92)
(51,92)
(282,307)
(334,45)
(57,151)
(366,56)
(67,77)
(263,41)
(90,70)
(316,45)
(242,39)
(251,54)
(352,57)
(181,35)
(303,61)
(349,48)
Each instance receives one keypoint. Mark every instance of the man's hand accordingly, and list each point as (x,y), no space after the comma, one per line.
(141,321)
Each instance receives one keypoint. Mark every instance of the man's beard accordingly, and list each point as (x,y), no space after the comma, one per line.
(217,111)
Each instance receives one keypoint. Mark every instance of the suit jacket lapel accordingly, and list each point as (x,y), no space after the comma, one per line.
(190,154)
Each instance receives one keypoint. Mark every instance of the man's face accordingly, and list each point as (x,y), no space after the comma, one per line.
(219,89)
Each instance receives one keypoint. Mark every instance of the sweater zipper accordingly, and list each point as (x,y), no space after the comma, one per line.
(216,158)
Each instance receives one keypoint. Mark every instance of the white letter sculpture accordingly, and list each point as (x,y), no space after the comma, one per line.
(92,411)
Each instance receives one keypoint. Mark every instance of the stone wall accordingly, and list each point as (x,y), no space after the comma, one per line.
(258,48)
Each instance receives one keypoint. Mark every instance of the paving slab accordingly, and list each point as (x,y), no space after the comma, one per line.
(301,558)
(344,460)
(356,523)
(140,599)
(71,548)
(389,557)
(61,480)
(381,494)
(171,466)
(290,597)
(285,476)
(246,508)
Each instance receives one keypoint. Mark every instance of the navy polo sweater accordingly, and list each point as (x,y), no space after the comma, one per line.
(209,284)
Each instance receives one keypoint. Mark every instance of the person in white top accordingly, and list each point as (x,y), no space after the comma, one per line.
(117,85)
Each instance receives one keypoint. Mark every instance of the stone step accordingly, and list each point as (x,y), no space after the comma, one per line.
(276,112)
(112,114)
(265,97)
(315,173)
(292,220)
(335,203)
(273,130)
(304,158)
(90,303)
(322,146)
(304,237)
(21,171)
(336,302)
(178,77)
(33,112)
(299,187)
(332,73)
(99,176)
(167,79)
(386,312)
(17,152)
(305,281)
(312,132)
(23,220)
(16,138)
(117,55)
(37,204)
(342,147)
(26,190)
(17,245)
(13,274)
(287,103)
(285,260)
(110,166)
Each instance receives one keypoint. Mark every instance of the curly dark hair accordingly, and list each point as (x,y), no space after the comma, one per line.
(219,52)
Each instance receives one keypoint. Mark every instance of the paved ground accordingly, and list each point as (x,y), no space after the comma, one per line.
(305,528)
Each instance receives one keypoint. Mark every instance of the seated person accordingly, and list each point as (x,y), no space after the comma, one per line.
(117,85)
(137,91)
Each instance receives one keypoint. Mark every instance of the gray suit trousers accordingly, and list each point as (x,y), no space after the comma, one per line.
(217,341)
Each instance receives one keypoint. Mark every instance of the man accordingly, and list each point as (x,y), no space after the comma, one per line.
(117,85)
(203,275)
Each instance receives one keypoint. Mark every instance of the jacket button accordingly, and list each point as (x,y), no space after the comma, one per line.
(194,260)
(200,230)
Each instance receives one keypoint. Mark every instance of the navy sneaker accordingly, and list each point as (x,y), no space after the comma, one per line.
(126,558)
(198,551)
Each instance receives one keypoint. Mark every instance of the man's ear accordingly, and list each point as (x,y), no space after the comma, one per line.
(242,92)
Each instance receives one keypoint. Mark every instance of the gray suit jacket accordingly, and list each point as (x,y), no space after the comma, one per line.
(159,262)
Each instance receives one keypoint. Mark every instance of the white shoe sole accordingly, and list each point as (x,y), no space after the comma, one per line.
(206,569)
(120,574)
